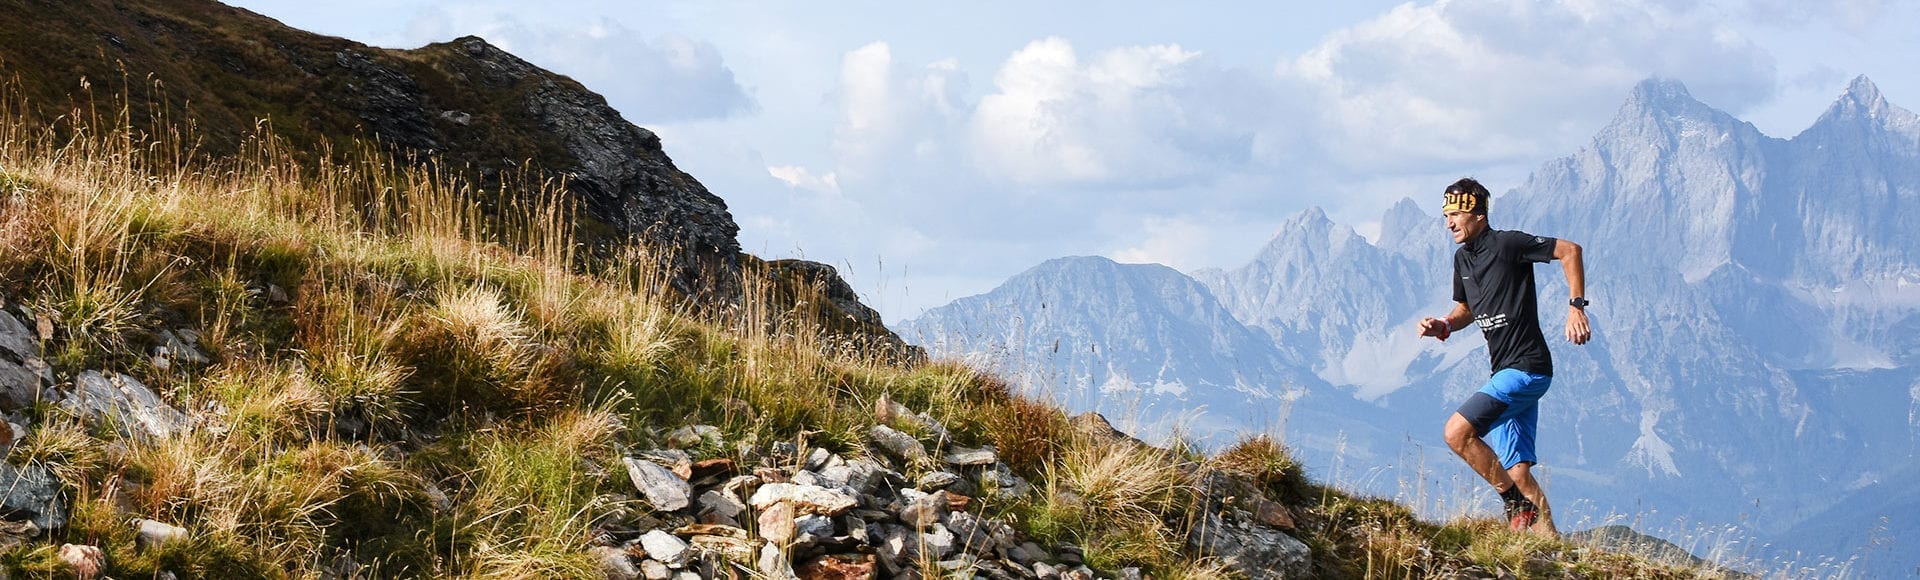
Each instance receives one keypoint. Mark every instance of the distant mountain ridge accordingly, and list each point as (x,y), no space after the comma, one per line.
(1756,305)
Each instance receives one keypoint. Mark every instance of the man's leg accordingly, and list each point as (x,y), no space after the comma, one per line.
(1468,445)
(1522,475)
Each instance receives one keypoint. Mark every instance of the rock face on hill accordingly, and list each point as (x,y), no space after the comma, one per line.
(477,109)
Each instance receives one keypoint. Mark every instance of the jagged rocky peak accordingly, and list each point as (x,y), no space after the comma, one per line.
(1863,108)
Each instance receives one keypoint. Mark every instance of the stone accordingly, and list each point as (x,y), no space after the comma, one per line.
(33,492)
(777,523)
(712,468)
(1069,554)
(1255,551)
(693,436)
(1045,571)
(838,567)
(711,530)
(24,377)
(925,511)
(667,548)
(804,477)
(1271,513)
(936,480)
(964,457)
(85,560)
(817,459)
(771,475)
(937,541)
(183,346)
(615,563)
(896,444)
(736,549)
(773,563)
(805,499)
(812,528)
(120,402)
(153,534)
(665,490)
(675,460)
(724,504)
(655,570)
(971,533)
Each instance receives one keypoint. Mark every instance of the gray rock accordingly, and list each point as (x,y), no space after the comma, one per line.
(154,534)
(938,541)
(813,528)
(722,504)
(805,498)
(774,564)
(936,480)
(924,511)
(666,491)
(1254,550)
(667,548)
(24,377)
(121,403)
(971,533)
(804,477)
(615,563)
(896,444)
(694,436)
(817,459)
(1045,571)
(655,570)
(962,456)
(999,479)
(33,491)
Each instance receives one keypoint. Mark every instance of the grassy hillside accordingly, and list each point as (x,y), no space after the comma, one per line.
(396,383)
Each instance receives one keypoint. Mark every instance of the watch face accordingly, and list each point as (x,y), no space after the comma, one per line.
(1578,302)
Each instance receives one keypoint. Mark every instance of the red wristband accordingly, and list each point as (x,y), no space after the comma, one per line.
(1446,328)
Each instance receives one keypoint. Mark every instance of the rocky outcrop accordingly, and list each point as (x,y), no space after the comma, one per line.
(476,109)
(821,515)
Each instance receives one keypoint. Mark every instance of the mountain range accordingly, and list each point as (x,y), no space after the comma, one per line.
(1752,377)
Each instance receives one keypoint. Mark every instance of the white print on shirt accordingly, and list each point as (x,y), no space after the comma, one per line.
(1491,322)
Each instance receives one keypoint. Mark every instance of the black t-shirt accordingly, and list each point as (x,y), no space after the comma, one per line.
(1493,275)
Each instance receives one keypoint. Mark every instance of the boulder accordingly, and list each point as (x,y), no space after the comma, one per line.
(32,494)
(24,377)
(120,402)
(1256,551)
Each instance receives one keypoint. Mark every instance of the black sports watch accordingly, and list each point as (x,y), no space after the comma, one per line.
(1579,302)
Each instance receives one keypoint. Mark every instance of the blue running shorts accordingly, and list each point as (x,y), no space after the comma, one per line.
(1505,413)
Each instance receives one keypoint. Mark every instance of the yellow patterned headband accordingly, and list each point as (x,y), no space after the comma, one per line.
(1464,201)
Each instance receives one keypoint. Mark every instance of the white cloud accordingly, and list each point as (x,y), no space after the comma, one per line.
(662,79)
(1478,81)
(801,177)
(1178,243)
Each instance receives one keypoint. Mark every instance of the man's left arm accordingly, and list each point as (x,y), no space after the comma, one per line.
(1568,253)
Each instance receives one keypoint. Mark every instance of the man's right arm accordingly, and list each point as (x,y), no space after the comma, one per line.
(1443,327)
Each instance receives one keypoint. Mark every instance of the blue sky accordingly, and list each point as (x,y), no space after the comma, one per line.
(931,150)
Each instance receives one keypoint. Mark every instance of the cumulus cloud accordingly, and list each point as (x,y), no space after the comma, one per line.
(1466,81)
(650,80)
(1133,116)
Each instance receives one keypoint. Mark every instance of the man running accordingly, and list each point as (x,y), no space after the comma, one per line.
(1493,286)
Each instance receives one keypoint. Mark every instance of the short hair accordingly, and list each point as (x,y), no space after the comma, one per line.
(1466,194)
